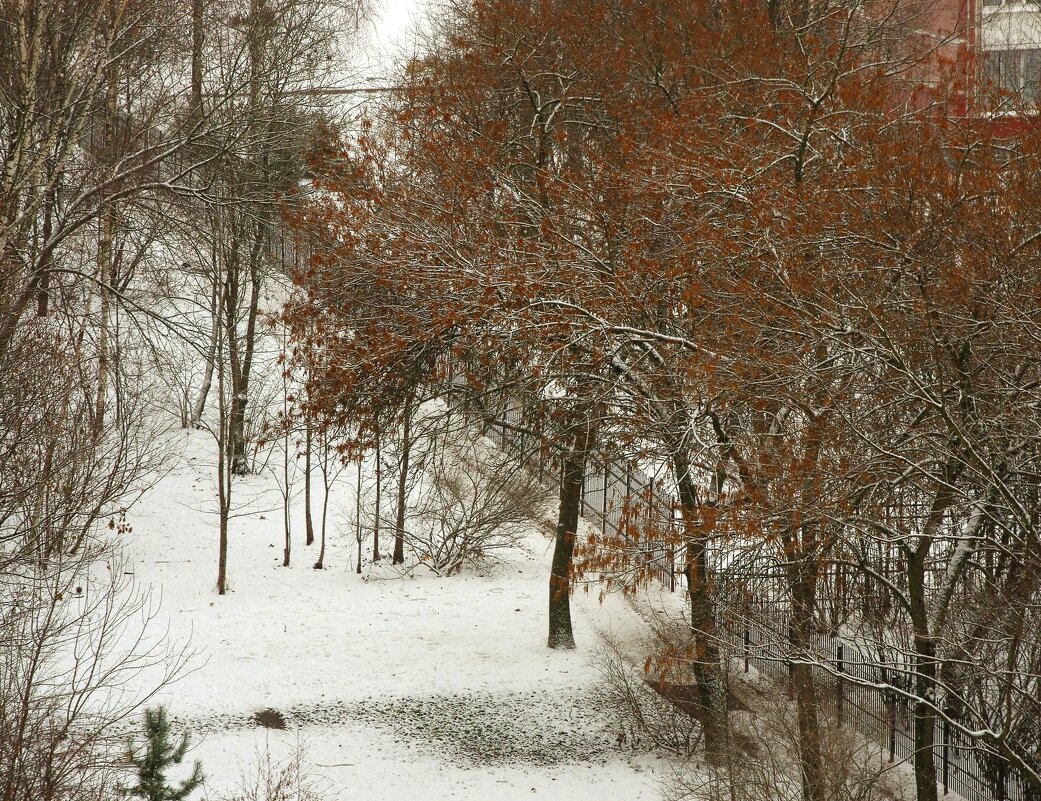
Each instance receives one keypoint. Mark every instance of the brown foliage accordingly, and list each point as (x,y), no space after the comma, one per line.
(774,247)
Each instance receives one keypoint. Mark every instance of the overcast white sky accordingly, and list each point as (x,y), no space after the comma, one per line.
(389,34)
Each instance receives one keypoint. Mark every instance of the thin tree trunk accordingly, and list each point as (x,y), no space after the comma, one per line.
(105,256)
(803,588)
(357,514)
(325,508)
(925,674)
(406,449)
(230,304)
(47,258)
(925,720)
(207,377)
(105,271)
(106,233)
(561,634)
(240,465)
(379,500)
(287,518)
(197,43)
(925,664)
(308,523)
(241,377)
(803,550)
(223,480)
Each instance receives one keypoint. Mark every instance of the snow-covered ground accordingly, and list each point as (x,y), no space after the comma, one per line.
(413,687)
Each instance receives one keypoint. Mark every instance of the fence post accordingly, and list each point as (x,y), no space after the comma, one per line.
(791,666)
(748,643)
(891,714)
(946,757)
(839,693)
(603,516)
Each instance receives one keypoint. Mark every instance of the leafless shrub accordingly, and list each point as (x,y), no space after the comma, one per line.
(61,474)
(474,504)
(763,758)
(75,638)
(272,779)
(644,717)
(75,642)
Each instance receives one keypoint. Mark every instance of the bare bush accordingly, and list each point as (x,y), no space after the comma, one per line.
(75,637)
(474,504)
(272,779)
(762,761)
(644,716)
(77,659)
(61,475)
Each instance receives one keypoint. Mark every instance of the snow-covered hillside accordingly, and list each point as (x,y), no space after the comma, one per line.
(395,687)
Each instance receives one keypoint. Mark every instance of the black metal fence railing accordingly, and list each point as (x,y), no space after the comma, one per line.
(611,489)
(866,697)
(866,694)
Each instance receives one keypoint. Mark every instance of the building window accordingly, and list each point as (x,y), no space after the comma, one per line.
(1016,71)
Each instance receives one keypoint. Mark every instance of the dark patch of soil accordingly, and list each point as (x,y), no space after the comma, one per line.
(270,719)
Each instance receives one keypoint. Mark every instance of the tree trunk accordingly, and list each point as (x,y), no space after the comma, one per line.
(925,719)
(47,259)
(105,271)
(926,672)
(240,377)
(286,517)
(308,522)
(106,234)
(324,456)
(223,481)
(925,668)
(230,305)
(256,44)
(379,500)
(406,448)
(222,552)
(197,42)
(803,588)
(561,634)
(707,675)
(207,376)
(357,514)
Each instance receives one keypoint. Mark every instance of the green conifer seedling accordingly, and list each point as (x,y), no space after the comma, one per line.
(159,753)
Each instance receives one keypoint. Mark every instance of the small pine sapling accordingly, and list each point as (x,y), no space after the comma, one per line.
(160,753)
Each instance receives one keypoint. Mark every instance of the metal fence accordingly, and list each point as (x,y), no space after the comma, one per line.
(613,490)
(866,695)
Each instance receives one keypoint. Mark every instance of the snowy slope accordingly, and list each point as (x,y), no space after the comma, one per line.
(416,687)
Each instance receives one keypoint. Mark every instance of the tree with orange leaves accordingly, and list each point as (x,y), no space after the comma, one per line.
(713,233)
